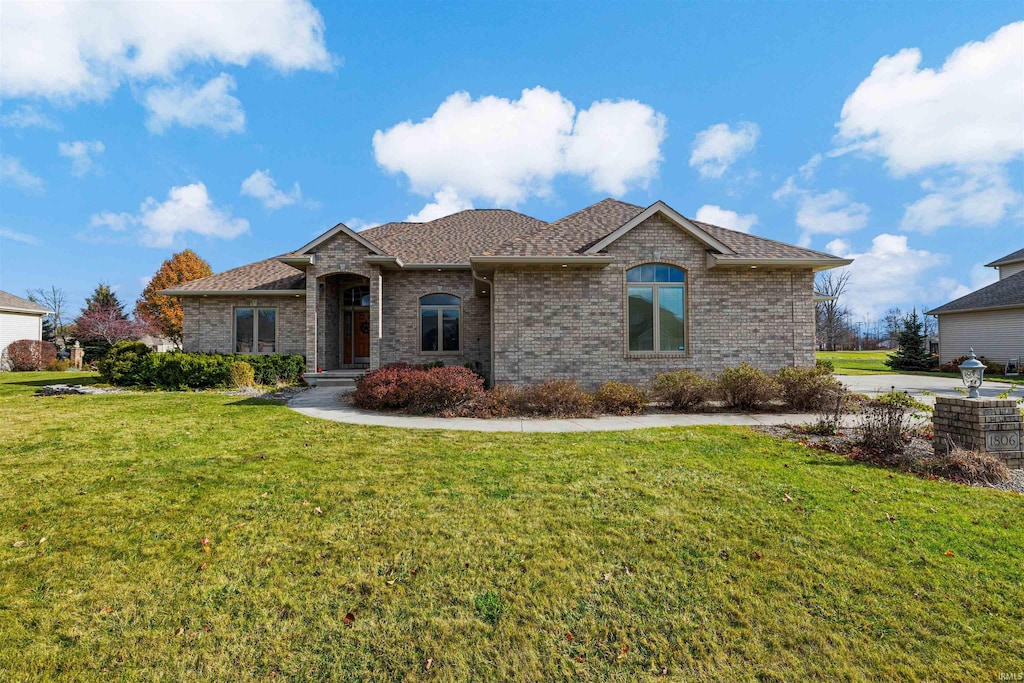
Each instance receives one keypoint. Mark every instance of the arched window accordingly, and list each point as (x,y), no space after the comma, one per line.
(356,296)
(656,311)
(439,323)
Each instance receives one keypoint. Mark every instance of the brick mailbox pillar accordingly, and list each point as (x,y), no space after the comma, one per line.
(993,426)
(77,354)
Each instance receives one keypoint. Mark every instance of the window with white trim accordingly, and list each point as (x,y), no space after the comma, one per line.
(440,315)
(656,309)
(256,330)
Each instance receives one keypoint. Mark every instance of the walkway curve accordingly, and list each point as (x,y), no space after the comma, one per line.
(325,403)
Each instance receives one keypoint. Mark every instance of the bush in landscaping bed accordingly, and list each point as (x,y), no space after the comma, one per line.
(885,426)
(746,387)
(26,355)
(179,371)
(242,375)
(825,364)
(682,389)
(806,388)
(58,366)
(618,398)
(274,368)
(556,398)
(961,464)
(125,364)
(412,388)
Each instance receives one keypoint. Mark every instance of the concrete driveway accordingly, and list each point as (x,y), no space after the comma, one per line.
(916,385)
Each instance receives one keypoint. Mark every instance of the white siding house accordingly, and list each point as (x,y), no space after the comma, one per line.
(19,319)
(989,320)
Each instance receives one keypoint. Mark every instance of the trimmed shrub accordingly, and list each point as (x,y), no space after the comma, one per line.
(556,398)
(825,364)
(274,368)
(619,398)
(179,371)
(242,375)
(412,388)
(444,390)
(58,366)
(806,388)
(746,387)
(682,389)
(27,355)
(125,364)
(503,400)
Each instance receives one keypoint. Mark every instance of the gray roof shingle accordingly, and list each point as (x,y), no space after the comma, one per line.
(269,274)
(9,302)
(1008,292)
(1015,257)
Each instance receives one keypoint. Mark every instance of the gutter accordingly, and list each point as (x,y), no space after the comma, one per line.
(541,260)
(1006,307)
(233,292)
(815,264)
(31,311)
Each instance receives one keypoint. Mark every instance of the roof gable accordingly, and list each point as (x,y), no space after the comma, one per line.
(267,276)
(340,229)
(660,207)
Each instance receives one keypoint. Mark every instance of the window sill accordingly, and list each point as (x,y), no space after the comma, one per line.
(440,353)
(642,355)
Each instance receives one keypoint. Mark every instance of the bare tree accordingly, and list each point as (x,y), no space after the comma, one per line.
(893,320)
(832,318)
(54,299)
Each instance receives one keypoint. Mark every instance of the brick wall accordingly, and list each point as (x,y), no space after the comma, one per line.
(570,323)
(987,425)
(209,322)
(401,295)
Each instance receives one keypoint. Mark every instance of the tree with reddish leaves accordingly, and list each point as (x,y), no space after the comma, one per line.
(164,313)
(103,323)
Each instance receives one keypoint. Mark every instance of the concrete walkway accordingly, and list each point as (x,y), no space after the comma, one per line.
(920,386)
(325,403)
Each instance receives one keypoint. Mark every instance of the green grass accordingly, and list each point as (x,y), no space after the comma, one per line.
(709,552)
(873,363)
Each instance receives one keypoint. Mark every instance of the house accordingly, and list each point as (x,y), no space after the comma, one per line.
(612,292)
(989,320)
(19,319)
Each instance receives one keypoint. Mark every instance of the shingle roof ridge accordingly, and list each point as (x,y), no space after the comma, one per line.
(1012,286)
(524,237)
(1012,257)
(747,235)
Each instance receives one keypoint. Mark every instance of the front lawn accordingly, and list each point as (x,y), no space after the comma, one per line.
(873,363)
(357,553)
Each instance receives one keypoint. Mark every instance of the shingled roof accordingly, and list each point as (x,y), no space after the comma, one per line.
(455,239)
(1007,293)
(1015,257)
(267,275)
(15,304)
(451,239)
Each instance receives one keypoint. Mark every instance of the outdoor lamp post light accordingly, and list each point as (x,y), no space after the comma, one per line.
(973,371)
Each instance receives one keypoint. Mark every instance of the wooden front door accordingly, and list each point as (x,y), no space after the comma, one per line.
(361,336)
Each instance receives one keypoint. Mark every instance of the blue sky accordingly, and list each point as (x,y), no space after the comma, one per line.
(130,131)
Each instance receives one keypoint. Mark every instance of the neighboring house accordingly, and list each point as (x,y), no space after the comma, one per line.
(611,292)
(19,319)
(989,320)
(158,344)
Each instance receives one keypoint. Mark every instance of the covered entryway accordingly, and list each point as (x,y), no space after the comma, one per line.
(355,326)
(343,322)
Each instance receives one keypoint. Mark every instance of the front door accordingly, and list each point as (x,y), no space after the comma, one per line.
(355,338)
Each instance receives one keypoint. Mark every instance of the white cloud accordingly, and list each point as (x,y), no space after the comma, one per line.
(91,48)
(504,151)
(187,209)
(968,112)
(829,213)
(81,153)
(716,215)
(261,185)
(27,116)
(717,147)
(211,105)
(14,236)
(13,173)
(888,274)
(446,202)
(616,144)
(358,224)
(981,198)
(979,277)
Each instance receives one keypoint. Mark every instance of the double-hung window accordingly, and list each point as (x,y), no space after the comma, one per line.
(655,311)
(255,330)
(439,323)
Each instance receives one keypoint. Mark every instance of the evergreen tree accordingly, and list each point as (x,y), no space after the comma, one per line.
(103,298)
(48,331)
(913,350)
